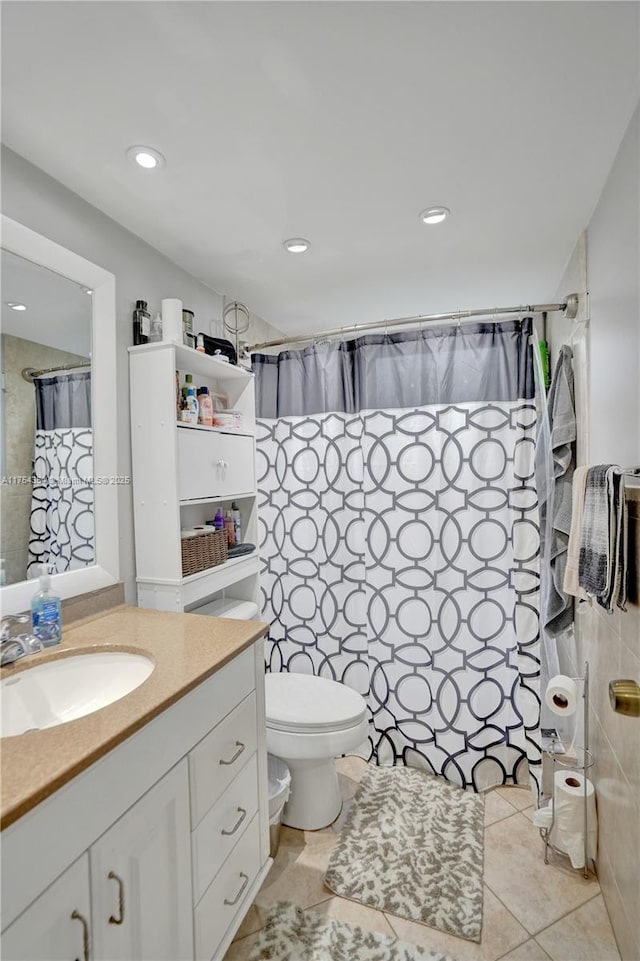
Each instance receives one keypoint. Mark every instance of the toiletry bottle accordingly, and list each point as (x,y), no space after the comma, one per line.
(187,327)
(185,413)
(205,407)
(200,344)
(192,404)
(155,335)
(188,381)
(237,522)
(46,623)
(228,523)
(218,520)
(141,323)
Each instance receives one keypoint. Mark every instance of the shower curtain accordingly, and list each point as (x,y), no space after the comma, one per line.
(399,539)
(62,525)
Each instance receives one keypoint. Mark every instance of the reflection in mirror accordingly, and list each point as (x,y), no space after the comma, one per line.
(47,447)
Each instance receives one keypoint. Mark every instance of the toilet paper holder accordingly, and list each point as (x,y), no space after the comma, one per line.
(624,697)
(587,762)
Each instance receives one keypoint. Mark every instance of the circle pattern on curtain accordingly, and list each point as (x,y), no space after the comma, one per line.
(400,556)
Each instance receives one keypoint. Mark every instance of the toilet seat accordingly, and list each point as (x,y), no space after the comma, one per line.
(311,705)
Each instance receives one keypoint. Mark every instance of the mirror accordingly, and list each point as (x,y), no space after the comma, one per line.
(59,465)
(47,446)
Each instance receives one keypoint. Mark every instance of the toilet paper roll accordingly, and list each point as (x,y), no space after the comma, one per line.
(172,320)
(562,695)
(569,822)
(543,817)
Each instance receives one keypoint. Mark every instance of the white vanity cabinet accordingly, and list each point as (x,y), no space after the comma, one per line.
(157,850)
(56,927)
(130,897)
(183,474)
(141,878)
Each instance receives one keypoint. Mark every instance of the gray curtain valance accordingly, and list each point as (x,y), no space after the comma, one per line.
(63,401)
(437,365)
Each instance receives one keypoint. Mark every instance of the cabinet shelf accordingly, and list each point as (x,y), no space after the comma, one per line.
(203,364)
(215,430)
(218,499)
(220,568)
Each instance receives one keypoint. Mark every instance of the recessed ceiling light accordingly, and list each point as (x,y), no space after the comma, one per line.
(434,215)
(15,306)
(146,157)
(297,245)
(87,290)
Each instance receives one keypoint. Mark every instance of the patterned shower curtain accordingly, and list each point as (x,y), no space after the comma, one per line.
(61,531)
(400,540)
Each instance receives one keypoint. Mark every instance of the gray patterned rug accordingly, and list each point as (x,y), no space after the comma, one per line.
(413,846)
(294,935)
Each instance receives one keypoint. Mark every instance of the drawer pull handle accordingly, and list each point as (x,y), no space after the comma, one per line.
(235,757)
(76,916)
(240,892)
(114,877)
(243,814)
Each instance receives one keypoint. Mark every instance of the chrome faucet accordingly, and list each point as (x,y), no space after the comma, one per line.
(13,647)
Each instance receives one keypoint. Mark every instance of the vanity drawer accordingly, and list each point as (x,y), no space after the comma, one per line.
(211,464)
(215,761)
(222,827)
(227,893)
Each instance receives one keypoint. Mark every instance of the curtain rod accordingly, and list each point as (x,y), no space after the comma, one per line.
(569,308)
(29,374)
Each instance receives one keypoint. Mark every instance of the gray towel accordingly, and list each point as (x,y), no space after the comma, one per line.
(602,569)
(558,612)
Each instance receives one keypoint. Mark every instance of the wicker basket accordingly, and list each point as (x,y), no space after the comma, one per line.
(201,551)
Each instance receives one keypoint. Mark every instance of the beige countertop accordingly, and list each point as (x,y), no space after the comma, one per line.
(185,648)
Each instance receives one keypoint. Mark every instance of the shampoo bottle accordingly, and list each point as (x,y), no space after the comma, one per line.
(46,622)
(192,406)
(205,407)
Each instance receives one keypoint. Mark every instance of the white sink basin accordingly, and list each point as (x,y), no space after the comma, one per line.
(59,691)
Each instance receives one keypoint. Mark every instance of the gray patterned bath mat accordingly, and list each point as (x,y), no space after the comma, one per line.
(294,935)
(413,845)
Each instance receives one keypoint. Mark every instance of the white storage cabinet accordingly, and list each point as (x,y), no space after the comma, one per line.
(181,475)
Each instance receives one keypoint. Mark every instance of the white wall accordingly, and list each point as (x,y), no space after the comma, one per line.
(613,270)
(607,375)
(43,204)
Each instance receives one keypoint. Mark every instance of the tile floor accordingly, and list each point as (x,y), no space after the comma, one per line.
(532,911)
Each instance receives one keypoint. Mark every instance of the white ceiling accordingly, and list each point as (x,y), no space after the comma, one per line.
(58,310)
(337,122)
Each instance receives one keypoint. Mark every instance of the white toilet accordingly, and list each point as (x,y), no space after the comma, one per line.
(311,720)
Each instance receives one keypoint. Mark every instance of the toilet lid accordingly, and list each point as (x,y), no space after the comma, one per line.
(304,702)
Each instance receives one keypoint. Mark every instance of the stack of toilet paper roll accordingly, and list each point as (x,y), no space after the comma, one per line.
(569,789)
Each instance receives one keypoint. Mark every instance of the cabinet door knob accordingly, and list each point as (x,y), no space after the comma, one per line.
(243,814)
(76,916)
(239,894)
(235,757)
(114,877)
